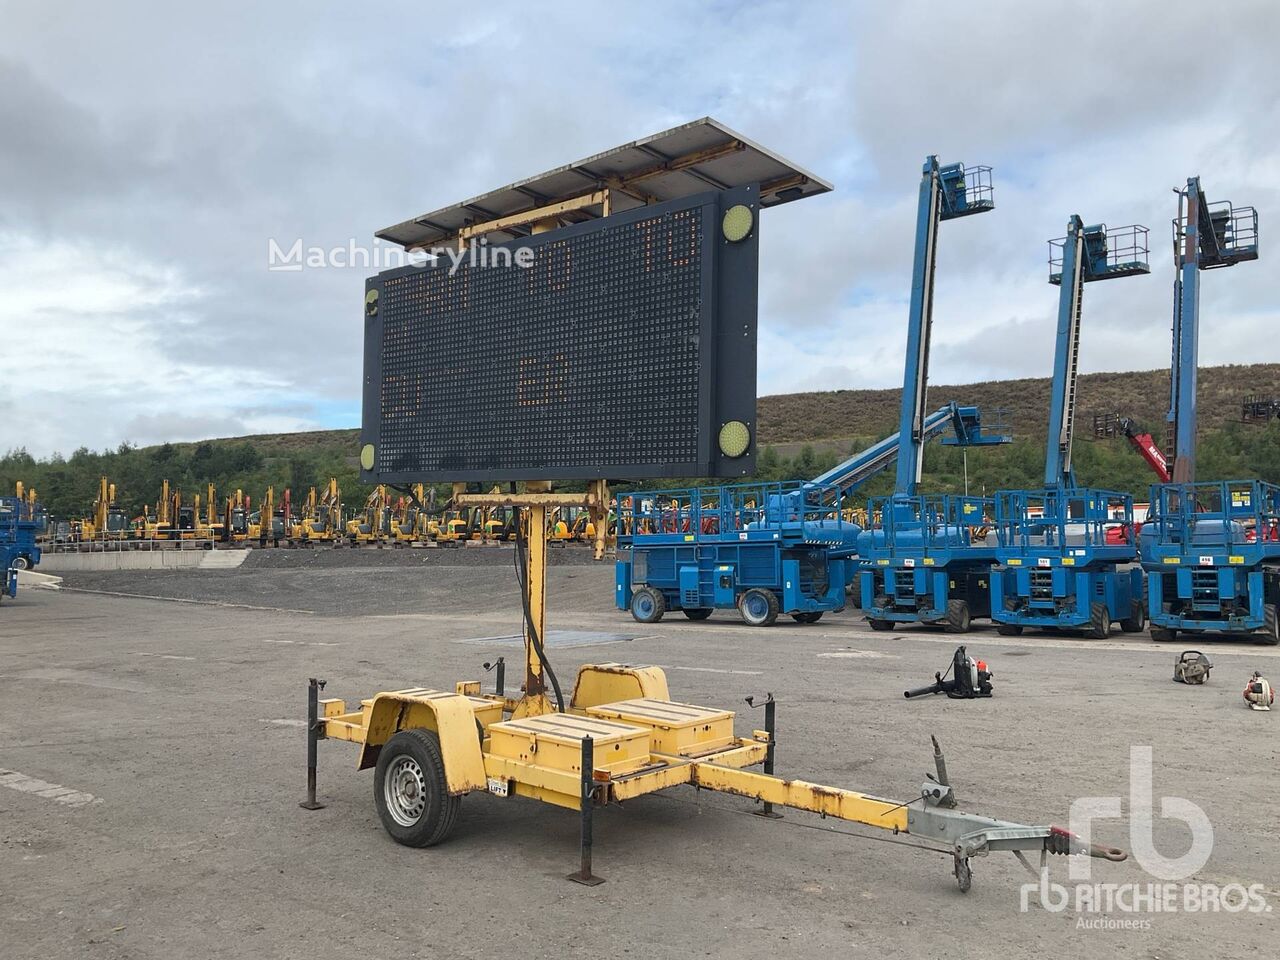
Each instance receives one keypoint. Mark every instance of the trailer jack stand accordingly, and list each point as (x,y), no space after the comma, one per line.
(770,707)
(584,875)
(314,687)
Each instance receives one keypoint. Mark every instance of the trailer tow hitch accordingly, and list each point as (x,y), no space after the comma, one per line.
(970,835)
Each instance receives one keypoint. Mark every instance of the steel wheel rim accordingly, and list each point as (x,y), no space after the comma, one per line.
(644,605)
(405,791)
(19,563)
(756,606)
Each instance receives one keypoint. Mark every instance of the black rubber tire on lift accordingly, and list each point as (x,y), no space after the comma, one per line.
(1136,622)
(697,613)
(20,563)
(1162,634)
(812,616)
(421,813)
(1270,635)
(648,605)
(881,625)
(758,607)
(1009,629)
(957,620)
(1099,622)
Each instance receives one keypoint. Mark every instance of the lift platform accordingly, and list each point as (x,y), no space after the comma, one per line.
(925,558)
(1066,556)
(1212,555)
(1203,574)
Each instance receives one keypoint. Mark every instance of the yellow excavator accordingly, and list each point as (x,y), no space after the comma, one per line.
(235,518)
(161,527)
(267,523)
(320,518)
(325,520)
(372,523)
(109,520)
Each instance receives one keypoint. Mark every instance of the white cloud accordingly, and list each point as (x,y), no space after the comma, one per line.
(146,180)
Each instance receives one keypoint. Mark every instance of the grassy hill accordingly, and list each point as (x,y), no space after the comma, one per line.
(800,435)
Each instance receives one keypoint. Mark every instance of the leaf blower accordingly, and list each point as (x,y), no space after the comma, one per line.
(970,679)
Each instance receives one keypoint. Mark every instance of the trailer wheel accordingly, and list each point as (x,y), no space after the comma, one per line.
(697,613)
(410,791)
(880,625)
(1099,622)
(958,620)
(759,607)
(1136,622)
(648,605)
(20,563)
(1009,629)
(1270,635)
(1162,634)
(812,616)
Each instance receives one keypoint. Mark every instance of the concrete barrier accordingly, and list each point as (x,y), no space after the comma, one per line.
(142,560)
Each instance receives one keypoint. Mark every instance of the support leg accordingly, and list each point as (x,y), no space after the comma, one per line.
(314,687)
(584,875)
(770,727)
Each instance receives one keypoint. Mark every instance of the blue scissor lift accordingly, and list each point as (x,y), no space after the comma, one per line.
(1213,559)
(922,559)
(750,533)
(1065,554)
(1210,560)
(762,548)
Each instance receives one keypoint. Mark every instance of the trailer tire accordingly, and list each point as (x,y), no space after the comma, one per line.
(1162,634)
(811,616)
(697,613)
(957,619)
(410,790)
(1099,622)
(648,605)
(758,607)
(20,563)
(1270,635)
(1009,629)
(1136,622)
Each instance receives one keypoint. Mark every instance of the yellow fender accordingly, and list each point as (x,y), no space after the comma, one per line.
(452,717)
(600,683)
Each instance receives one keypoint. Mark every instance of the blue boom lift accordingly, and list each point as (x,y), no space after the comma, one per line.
(762,548)
(927,560)
(1211,550)
(1058,548)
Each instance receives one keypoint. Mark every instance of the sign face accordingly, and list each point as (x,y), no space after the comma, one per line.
(623,347)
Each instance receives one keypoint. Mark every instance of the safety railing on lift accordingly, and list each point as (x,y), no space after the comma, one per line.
(728,508)
(1124,250)
(1061,518)
(1223,513)
(932,521)
(1235,235)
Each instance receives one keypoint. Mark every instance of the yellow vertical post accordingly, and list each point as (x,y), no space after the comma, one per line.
(535,701)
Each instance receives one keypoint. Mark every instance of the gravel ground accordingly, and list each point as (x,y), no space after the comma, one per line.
(153,751)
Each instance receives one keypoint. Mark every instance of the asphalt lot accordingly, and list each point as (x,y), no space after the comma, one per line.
(168,741)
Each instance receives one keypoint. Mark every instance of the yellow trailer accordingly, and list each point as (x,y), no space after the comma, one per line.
(619,735)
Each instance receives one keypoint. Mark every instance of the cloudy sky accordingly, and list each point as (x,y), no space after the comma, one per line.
(148,152)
